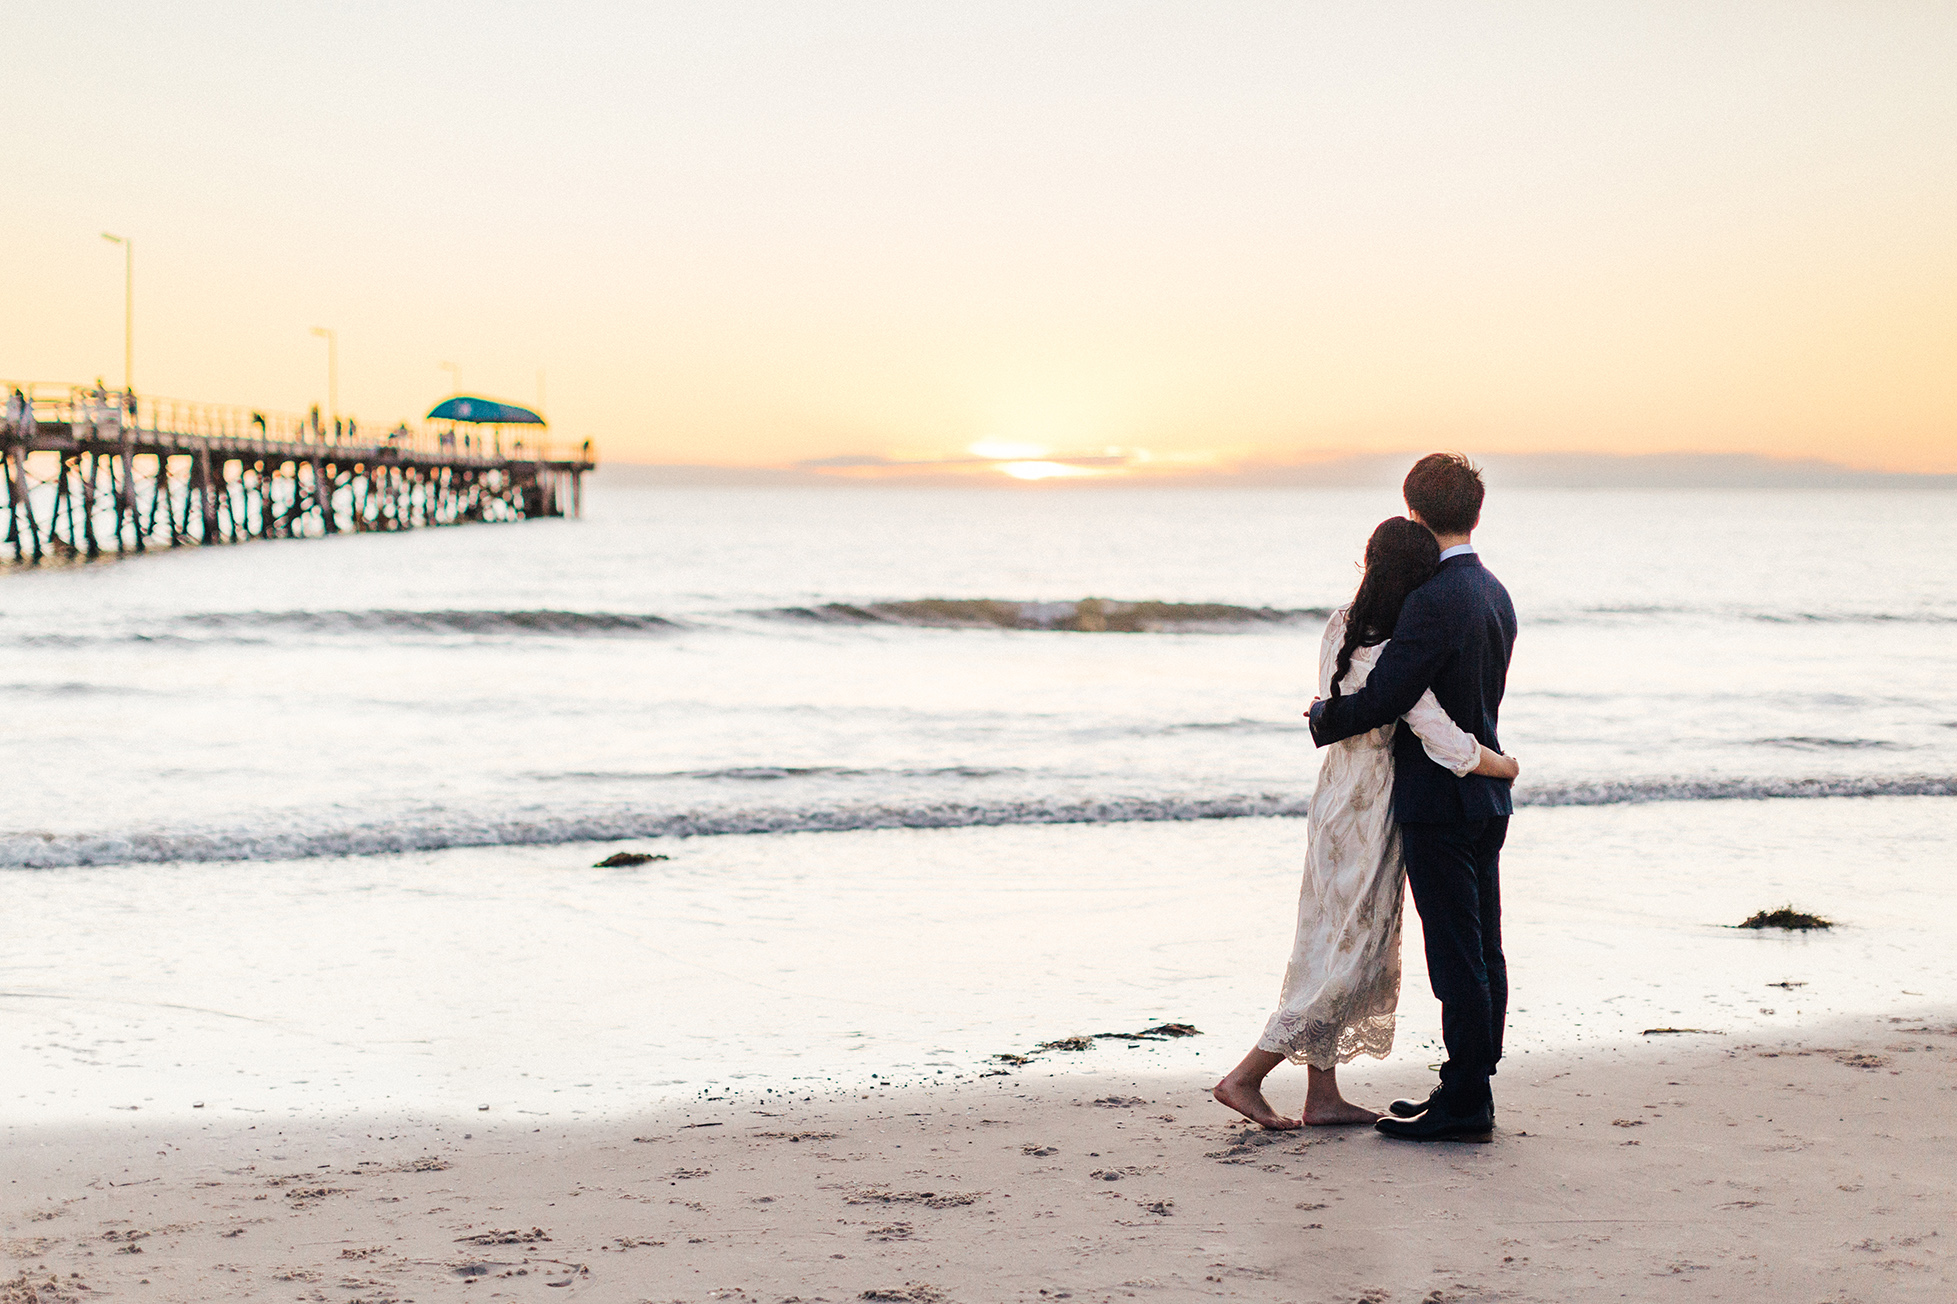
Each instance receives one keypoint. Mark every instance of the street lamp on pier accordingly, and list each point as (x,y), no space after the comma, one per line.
(128,306)
(332,339)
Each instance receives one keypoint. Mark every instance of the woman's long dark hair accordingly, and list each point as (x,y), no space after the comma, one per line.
(1400,557)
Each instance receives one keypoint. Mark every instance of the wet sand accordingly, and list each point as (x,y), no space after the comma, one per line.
(524,979)
(1808,1167)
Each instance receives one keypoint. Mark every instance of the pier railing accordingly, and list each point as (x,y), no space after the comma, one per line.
(88,470)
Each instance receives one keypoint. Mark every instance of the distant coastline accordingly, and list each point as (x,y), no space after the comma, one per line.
(1358,471)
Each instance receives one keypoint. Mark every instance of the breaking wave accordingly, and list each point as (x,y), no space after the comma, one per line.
(1089,615)
(73,688)
(1083,616)
(1854,617)
(437,622)
(1804,743)
(1633,791)
(28,850)
(775,773)
(1634,612)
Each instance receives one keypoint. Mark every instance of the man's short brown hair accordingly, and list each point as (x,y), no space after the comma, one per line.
(1446,490)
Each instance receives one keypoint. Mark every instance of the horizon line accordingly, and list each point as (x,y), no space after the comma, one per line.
(1544,470)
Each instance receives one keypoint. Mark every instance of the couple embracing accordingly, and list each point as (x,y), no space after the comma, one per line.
(1413,788)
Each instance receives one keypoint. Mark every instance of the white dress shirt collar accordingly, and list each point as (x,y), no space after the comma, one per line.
(1458,550)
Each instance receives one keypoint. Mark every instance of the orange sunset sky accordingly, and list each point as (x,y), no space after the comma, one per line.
(1108,237)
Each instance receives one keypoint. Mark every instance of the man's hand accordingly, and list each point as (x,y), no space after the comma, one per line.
(1494,765)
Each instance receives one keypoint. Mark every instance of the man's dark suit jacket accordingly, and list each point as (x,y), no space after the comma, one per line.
(1454,635)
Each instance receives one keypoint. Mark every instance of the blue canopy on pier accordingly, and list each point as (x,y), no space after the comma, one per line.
(483,412)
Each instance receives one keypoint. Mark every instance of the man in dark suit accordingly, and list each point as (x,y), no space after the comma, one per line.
(1455,635)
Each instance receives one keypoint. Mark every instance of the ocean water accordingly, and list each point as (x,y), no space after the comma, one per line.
(715,661)
(309,827)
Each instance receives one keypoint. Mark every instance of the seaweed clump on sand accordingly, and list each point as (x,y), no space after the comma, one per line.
(1787,917)
(1160,1032)
(627,859)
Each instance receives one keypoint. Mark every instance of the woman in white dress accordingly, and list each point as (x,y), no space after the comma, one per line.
(1343,983)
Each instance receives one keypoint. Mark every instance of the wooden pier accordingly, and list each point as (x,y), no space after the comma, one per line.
(92,471)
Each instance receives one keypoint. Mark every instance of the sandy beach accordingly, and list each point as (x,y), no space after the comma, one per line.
(668,653)
(650,1086)
(1679,1167)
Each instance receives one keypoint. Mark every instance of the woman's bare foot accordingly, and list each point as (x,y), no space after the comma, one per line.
(1325,1107)
(1337,1113)
(1248,1099)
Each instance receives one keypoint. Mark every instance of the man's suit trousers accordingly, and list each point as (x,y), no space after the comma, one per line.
(1455,872)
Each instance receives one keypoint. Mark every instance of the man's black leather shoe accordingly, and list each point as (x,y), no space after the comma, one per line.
(1436,1126)
(1408,1108)
(1411,1108)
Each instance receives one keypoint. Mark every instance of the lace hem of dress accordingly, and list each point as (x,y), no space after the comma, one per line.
(1325,1045)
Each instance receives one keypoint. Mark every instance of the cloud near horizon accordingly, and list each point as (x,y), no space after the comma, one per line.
(984,459)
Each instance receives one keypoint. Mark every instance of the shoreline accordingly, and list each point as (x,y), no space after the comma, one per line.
(1799,1166)
(673,833)
(800,963)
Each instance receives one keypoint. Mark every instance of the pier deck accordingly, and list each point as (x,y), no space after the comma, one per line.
(84,472)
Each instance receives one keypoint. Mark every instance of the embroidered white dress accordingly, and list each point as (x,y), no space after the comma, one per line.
(1343,983)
